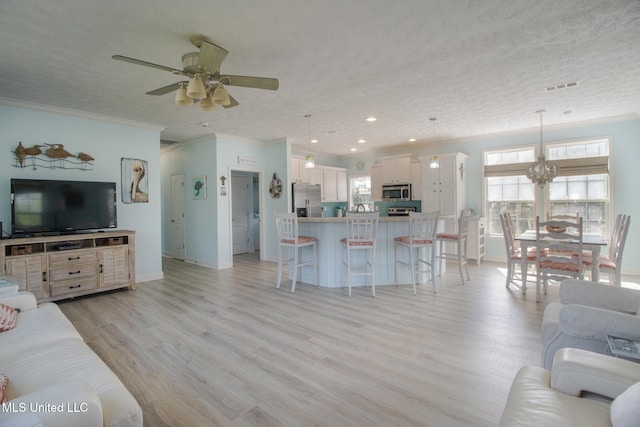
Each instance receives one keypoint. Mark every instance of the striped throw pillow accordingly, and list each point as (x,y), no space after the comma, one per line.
(7,317)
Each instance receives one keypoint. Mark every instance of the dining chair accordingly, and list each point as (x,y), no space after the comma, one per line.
(459,242)
(514,253)
(290,241)
(565,217)
(558,252)
(422,238)
(362,230)
(612,263)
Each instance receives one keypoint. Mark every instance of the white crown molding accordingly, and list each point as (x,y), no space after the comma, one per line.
(80,114)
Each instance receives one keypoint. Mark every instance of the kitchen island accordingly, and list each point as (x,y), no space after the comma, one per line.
(329,231)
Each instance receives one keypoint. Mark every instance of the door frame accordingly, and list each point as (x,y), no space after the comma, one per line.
(261,204)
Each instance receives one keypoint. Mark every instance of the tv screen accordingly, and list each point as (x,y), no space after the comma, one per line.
(46,206)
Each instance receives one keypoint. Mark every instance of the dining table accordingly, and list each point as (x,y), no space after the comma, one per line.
(590,242)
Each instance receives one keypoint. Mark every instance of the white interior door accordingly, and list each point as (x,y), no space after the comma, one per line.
(240,213)
(177,216)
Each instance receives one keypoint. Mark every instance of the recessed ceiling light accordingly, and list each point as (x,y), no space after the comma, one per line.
(361,141)
(314,141)
(371,119)
(353,149)
(412,140)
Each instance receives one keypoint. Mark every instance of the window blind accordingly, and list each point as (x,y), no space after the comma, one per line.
(566,167)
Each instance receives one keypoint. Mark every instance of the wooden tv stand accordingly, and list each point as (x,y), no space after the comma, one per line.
(66,266)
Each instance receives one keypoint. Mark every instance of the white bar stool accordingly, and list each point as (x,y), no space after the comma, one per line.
(459,241)
(422,236)
(288,239)
(362,229)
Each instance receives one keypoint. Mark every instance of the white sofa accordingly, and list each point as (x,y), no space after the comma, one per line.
(577,392)
(55,379)
(586,314)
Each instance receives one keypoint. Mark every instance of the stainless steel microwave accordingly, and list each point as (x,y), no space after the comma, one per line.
(396,192)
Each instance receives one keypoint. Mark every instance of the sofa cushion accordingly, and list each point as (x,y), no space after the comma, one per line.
(625,409)
(3,387)
(550,321)
(7,317)
(68,360)
(532,402)
(44,325)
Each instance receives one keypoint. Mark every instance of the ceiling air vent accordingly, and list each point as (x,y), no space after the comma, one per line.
(560,86)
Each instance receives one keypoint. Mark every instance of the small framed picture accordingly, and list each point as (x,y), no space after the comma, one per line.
(199,187)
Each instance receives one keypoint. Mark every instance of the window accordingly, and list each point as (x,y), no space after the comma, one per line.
(582,184)
(508,189)
(360,192)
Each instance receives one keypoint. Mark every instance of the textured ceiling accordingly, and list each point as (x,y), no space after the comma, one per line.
(480,67)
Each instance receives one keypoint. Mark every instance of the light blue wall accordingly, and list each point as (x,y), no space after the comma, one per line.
(107,142)
(207,222)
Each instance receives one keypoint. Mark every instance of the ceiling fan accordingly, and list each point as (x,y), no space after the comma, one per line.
(205,83)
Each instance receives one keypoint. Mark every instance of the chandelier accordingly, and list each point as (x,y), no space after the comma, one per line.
(542,171)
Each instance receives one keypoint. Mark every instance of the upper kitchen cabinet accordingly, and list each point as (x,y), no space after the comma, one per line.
(376,182)
(307,175)
(443,187)
(334,185)
(416,180)
(396,170)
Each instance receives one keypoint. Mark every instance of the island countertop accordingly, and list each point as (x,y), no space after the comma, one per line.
(344,219)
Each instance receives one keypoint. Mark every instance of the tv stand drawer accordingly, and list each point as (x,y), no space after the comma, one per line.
(72,272)
(74,286)
(71,257)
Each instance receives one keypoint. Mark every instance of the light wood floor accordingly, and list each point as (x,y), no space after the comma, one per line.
(226,348)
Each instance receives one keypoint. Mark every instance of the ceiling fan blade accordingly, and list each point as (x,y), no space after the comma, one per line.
(253,82)
(233,102)
(211,56)
(149,64)
(166,89)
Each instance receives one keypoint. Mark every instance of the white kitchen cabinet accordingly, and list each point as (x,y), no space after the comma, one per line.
(444,188)
(475,238)
(301,174)
(334,185)
(396,170)
(376,182)
(416,180)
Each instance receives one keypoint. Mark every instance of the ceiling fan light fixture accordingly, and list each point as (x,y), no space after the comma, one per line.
(221,96)
(195,89)
(181,96)
(207,104)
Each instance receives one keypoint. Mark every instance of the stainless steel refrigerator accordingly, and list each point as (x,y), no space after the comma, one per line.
(306,200)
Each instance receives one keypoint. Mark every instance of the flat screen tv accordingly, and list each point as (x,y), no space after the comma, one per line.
(41,206)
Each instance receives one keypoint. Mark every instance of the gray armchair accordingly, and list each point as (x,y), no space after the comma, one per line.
(586,314)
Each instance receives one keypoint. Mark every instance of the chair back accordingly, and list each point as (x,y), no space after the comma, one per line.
(508,232)
(287,226)
(362,228)
(619,238)
(463,224)
(422,228)
(569,218)
(559,249)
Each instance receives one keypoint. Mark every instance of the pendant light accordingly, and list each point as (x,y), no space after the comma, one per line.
(542,171)
(309,161)
(435,161)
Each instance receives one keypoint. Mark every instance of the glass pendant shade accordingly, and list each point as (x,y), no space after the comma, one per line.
(434,163)
(221,96)
(309,162)
(195,89)
(182,98)
(207,104)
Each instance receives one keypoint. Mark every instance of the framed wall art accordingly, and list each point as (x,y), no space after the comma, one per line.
(199,187)
(134,181)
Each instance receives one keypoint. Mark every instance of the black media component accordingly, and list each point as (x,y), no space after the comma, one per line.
(41,206)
